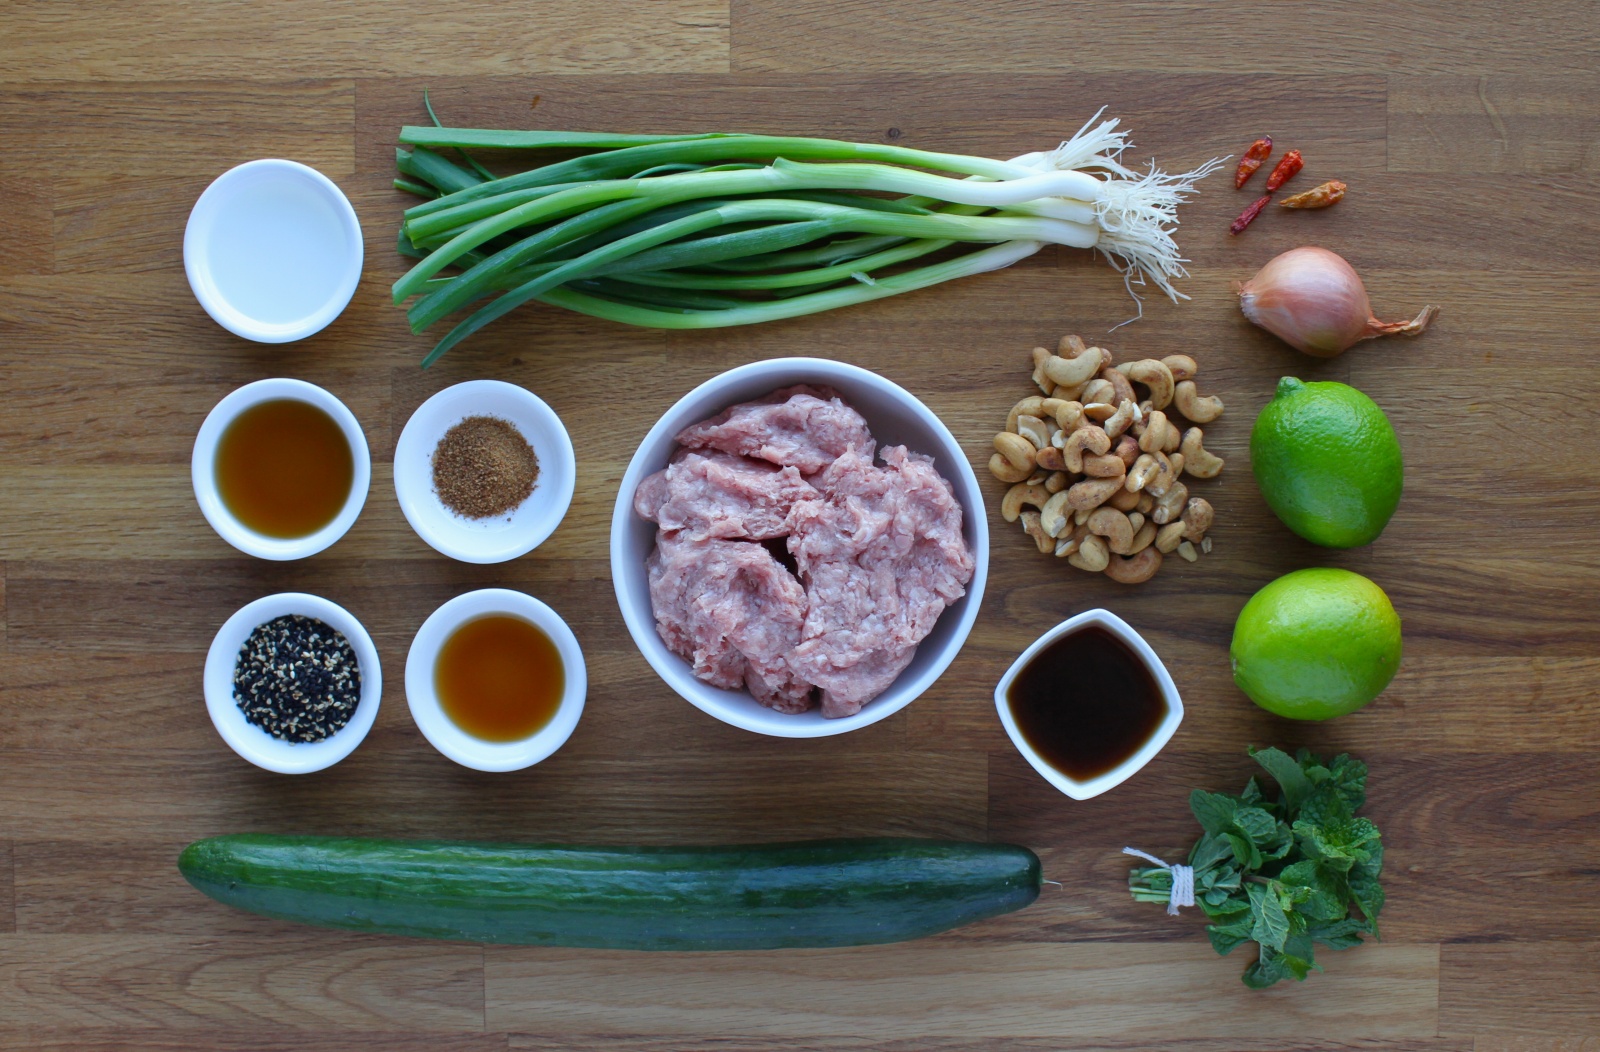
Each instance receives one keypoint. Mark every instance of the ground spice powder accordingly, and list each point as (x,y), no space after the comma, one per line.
(483,467)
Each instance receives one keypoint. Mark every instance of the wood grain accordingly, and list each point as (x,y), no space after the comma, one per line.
(1467,133)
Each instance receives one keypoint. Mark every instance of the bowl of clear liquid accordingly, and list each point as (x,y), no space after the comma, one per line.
(273,250)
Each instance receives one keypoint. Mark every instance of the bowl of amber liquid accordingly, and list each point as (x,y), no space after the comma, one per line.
(496,680)
(1089,704)
(280,469)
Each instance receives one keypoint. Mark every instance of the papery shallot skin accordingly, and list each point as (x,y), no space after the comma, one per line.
(878,548)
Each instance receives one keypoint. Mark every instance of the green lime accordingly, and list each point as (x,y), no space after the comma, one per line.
(1316,644)
(1327,461)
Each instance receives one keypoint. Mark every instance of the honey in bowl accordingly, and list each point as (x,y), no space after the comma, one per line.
(499,678)
(284,468)
(1086,703)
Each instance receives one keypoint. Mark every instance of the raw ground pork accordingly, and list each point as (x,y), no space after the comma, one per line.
(878,551)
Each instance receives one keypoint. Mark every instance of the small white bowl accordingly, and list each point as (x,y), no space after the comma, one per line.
(503,537)
(273,250)
(255,744)
(1129,767)
(203,470)
(456,743)
(896,417)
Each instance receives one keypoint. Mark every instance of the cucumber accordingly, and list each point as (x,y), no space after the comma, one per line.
(742,897)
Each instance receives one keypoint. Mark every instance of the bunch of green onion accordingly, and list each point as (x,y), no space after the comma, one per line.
(706,231)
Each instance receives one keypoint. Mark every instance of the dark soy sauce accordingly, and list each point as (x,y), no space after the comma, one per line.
(1086,703)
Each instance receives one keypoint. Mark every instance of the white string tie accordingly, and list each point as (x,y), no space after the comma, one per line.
(1182,881)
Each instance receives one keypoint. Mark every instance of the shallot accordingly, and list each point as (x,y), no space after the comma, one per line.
(1314,301)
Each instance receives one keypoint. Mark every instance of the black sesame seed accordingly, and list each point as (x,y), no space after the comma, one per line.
(297,678)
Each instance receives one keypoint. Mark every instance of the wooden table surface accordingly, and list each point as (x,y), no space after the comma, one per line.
(1470,136)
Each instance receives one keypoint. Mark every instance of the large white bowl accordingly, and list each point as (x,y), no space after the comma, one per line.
(255,744)
(896,417)
(501,537)
(203,470)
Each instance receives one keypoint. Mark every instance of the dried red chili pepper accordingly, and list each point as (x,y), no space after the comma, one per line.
(1290,164)
(1258,152)
(1329,193)
(1249,214)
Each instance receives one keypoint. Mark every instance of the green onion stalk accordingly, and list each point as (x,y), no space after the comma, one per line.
(709,231)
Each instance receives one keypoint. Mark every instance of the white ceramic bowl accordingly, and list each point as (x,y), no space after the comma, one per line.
(273,250)
(503,537)
(896,417)
(255,744)
(456,743)
(203,470)
(1129,767)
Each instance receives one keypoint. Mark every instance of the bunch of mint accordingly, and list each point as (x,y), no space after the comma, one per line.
(1284,873)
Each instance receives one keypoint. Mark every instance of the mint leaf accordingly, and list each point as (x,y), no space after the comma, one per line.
(1286,772)
(1270,923)
(1213,811)
(1341,934)
(1320,894)
(1349,779)
(1225,937)
(1260,827)
(1209,852)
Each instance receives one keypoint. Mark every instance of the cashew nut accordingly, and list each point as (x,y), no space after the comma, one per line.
(1098,390)
(1050,459)
(1186,549)
(1098,412)
(1123,500)
(1197,460)
(1127,448)
(1142,537)
(1071,347)
(1136,569)
(1005,471)
(1031,526)
(1181,366)
(1092,438)
(1104,466)
(1165,478)
(1054,514)
(1020,494)
(1069,544)
(1154,374)
(1119,383)
(1114,527)
(1069,372)
(1196,519)
(1144,469)
(1145,505)
(1158,430)
(1092,554)
(1063,411)
(1121,420)
(1033,429)
(1091,493)
(1033,405)
(1168,536)
(1106,357)
(1056,481)
(1018,451)
(1194,408)
(1177,463)
(1169,505)
(1135,518)
(1040,356)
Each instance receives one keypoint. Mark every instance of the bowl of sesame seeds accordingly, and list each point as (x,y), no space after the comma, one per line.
(292,682)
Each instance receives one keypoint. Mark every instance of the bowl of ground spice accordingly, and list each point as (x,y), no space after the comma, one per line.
(292,682)
(484,471)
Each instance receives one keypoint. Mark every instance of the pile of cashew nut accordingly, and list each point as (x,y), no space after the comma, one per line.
(1095,469)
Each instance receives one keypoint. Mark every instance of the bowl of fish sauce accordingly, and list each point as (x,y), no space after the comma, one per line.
(281,469)
(1089,704)
(495,680)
